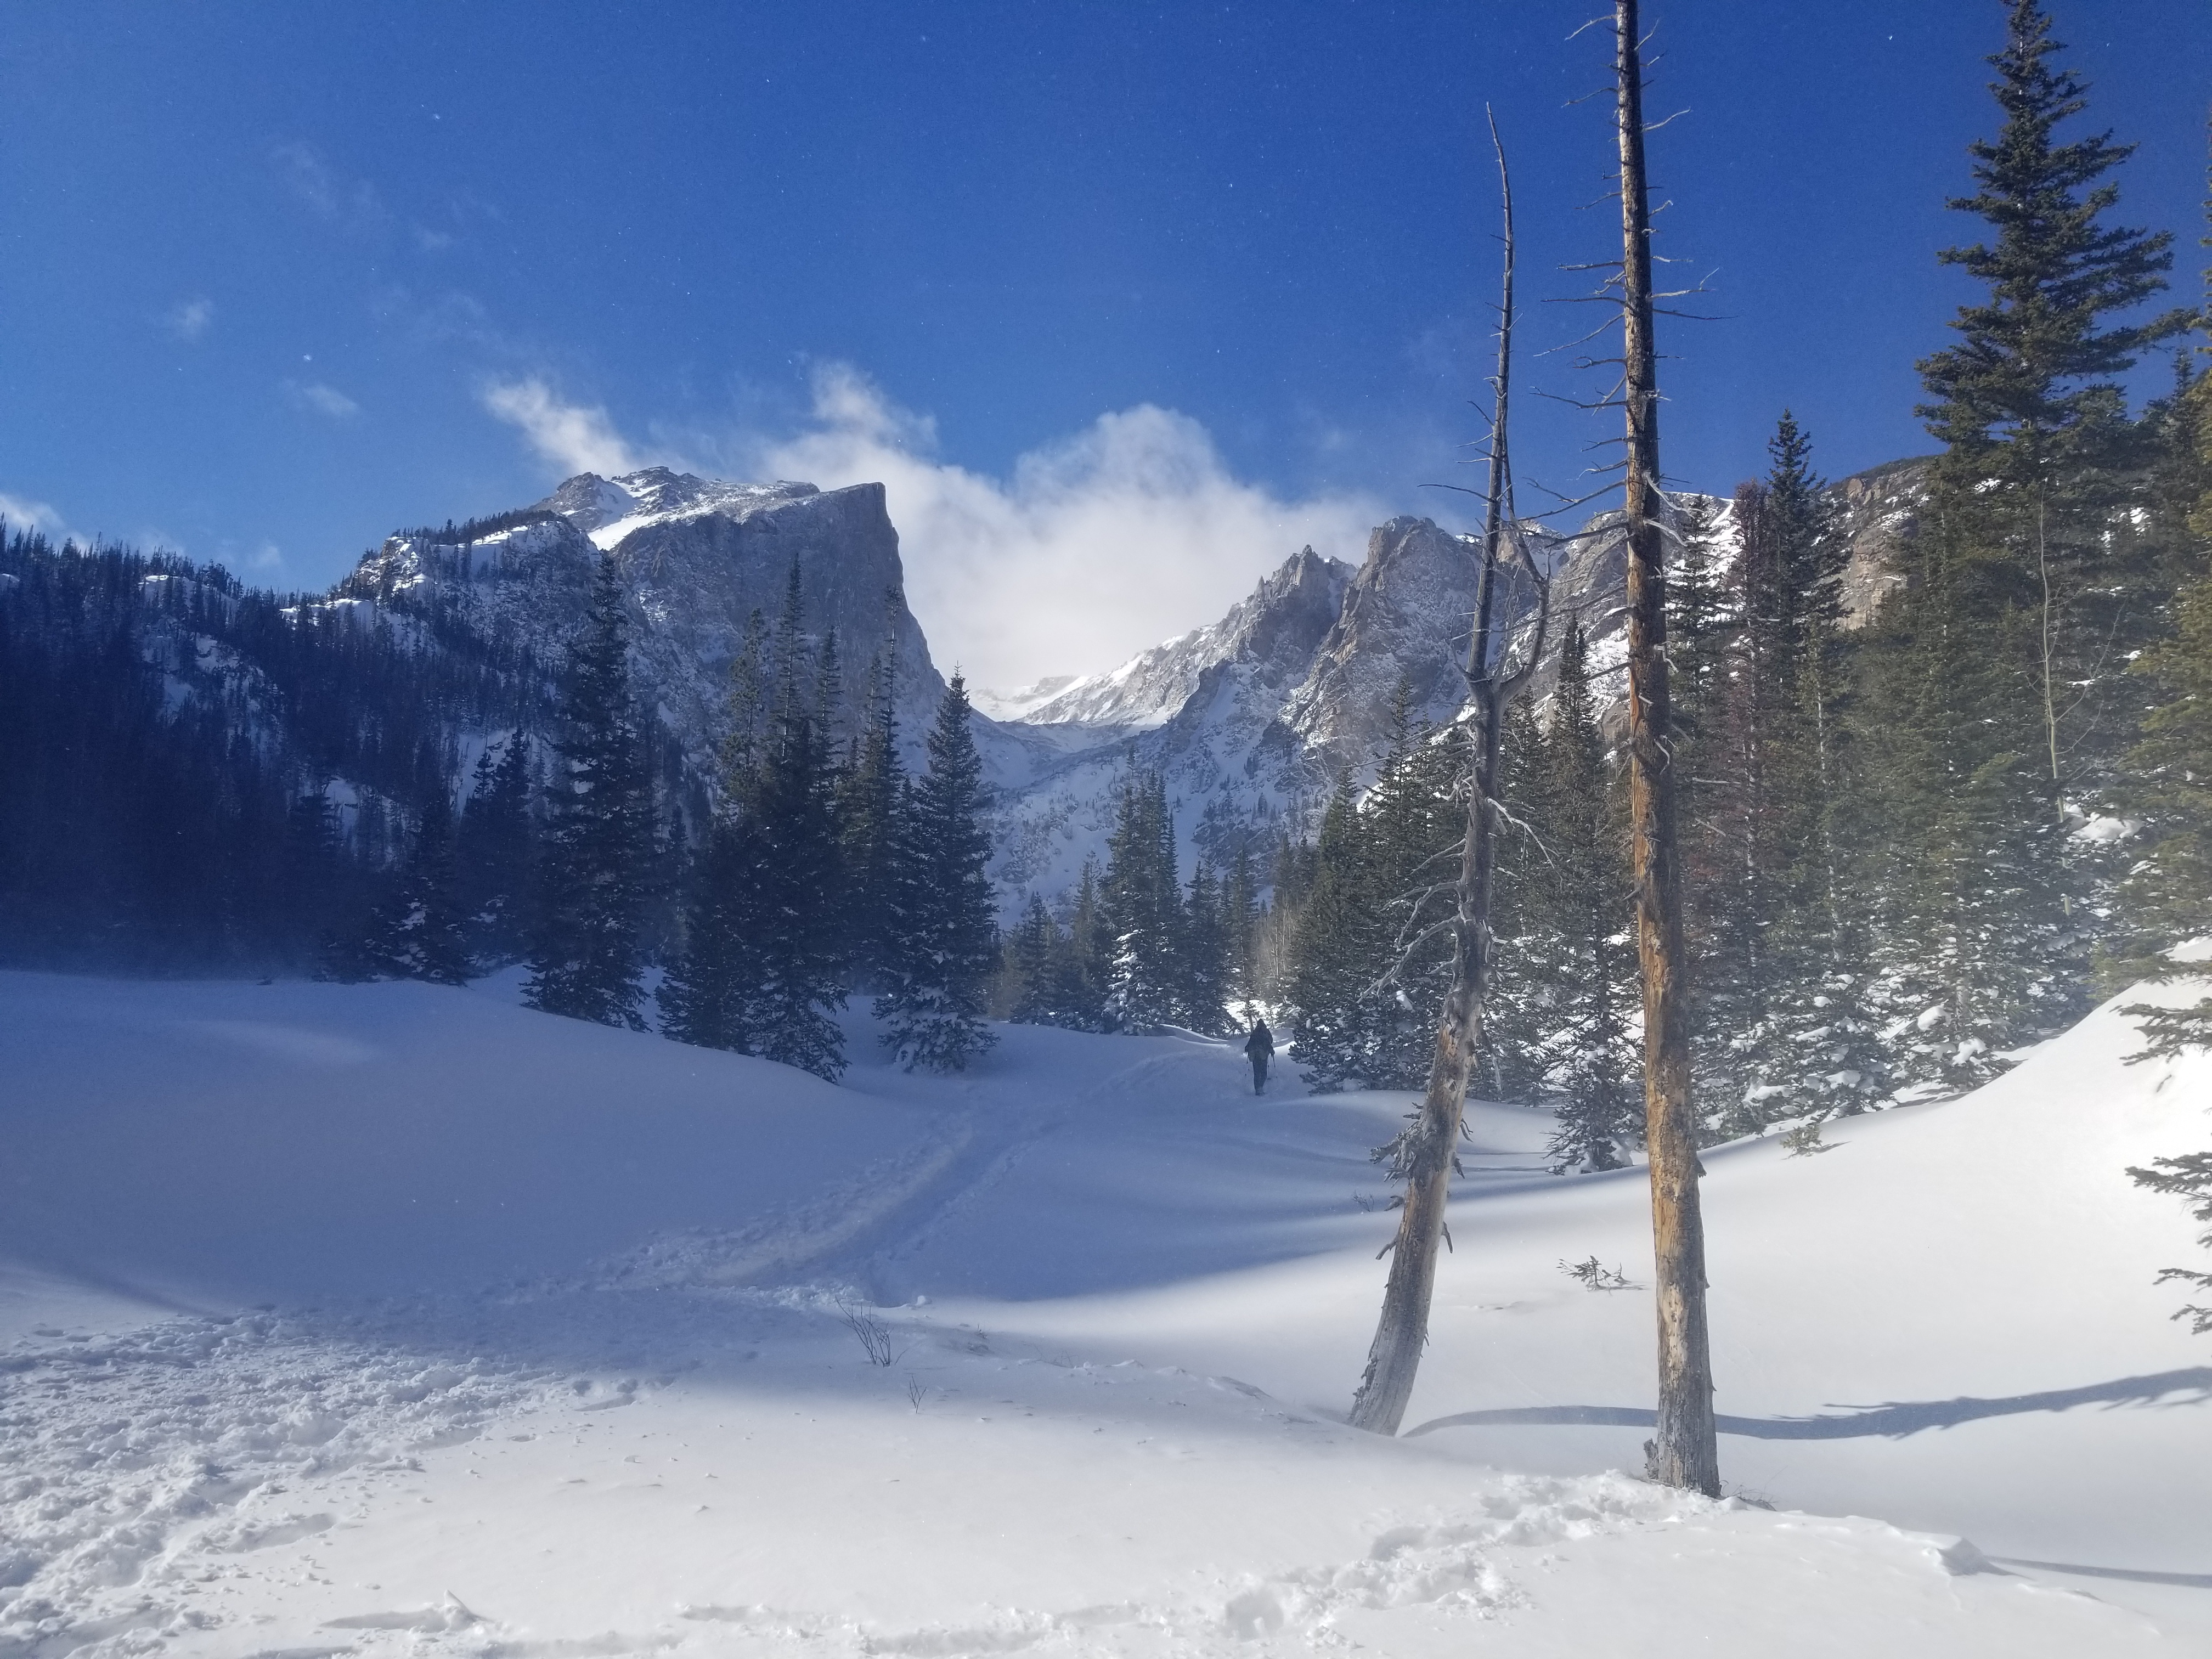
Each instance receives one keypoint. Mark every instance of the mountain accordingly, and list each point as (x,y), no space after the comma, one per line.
(698,557)
(1253,719)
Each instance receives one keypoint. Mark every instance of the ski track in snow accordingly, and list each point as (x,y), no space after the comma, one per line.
(177,1464)
(214,1487)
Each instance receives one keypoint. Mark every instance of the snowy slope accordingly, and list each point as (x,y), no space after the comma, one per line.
(387,1319)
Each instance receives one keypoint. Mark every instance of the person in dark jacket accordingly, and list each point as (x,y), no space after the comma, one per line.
(1260,1049)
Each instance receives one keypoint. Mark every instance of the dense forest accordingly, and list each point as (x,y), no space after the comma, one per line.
(1914,840)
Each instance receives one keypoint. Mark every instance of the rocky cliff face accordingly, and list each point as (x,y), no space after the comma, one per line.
(1253,720)
(1274,631)
(698,557)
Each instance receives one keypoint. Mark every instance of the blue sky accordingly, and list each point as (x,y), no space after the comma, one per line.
(1175,286)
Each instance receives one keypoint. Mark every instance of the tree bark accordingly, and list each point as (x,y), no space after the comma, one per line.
(1402,1331)
(1683,1452)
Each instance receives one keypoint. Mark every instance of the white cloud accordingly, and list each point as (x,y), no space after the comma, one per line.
(190,318)
(1130,533)
(322,399)
(574,437)
(22,513)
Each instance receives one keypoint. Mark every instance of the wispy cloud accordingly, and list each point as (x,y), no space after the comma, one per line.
(321,399)
(1127,534)
(1130,533)
(189,319)
(574,437)
(22,512)
(352,205)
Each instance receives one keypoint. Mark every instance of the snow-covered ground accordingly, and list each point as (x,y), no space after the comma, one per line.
(388,1318)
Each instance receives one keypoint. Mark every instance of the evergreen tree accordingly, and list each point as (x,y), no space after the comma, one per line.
(420,931)
(586,958)
(1239,919)
(1083,960)
(1203,955)
(1337,939)
(2167,896)
(1989,708)
(945,939)
(1142,909)
(1778,923)
(496,844)
(867,812)
(711,995)
(2031,384)
(1412,823)
(1579,946)
(313,878)
(1028,954)
(790,844)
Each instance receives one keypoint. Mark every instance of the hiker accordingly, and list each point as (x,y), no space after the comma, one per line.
(1259,1047)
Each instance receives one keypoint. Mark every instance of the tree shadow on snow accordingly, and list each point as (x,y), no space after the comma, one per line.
(2132,1575)
(1895,1419)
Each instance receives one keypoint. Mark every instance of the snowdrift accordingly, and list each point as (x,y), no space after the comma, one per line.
(388,1318)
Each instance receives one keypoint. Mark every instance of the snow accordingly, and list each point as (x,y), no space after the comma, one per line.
(392,1319)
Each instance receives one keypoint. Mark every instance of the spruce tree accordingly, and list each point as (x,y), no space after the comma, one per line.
(1083,959)
(1240,908)
(1338,938)
(1991,711)
(586,958)
(1203,955)
(2167,896)
(1028,954)
(711,995)
(420,930)
(791,848)
(1142,910)
(943,939)
(1581,948)
(494,852)
(867,812)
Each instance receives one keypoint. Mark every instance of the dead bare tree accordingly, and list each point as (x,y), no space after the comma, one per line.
(1683,1452)
(1424,1154)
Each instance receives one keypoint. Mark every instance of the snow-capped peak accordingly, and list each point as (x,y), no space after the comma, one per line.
(609,509)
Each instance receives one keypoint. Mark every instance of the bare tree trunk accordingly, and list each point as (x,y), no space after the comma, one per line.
(1427,1151)
(1683,1453)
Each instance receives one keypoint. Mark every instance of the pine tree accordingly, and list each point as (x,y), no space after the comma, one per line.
(420,931)
(311,881)
(2167,896)
(1782,970)
(1578,948)
(710,997)
(586,958)
(1240,915)
(1082,965)
(943,939)
(495,852)
(791,846)
(1142,910)
(867,813)
(1338,938)
(1027,958)
(1995,715)
(2030,386)
(1202,955)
